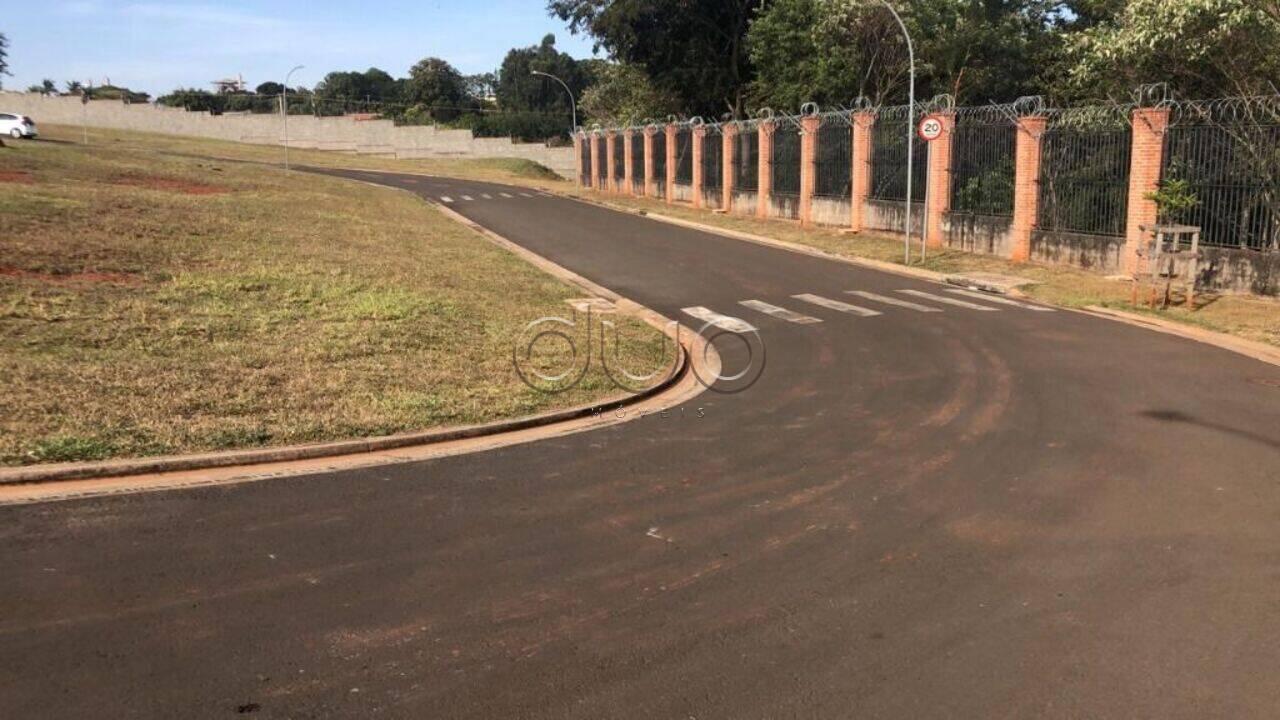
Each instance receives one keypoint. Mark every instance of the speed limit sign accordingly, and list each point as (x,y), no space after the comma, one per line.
(930,128)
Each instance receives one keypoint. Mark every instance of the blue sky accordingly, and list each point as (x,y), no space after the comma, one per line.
(157,46)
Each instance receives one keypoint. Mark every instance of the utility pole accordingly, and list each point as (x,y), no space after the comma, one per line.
(284,112)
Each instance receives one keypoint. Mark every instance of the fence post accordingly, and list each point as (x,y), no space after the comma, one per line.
(577,154)
(808,165)
(1026,186)
(609,142)
(595,162)
(671,164)
(699,136)
(649,189)
(728,150)
(627,183)
(861,171)
(764,169)
(939,184)
(1145,160)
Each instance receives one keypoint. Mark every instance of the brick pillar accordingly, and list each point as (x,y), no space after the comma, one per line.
(595,161)
(764,181)
(699,137)
(1026,186)
(650,188)
(728,150)
(939,187)
(861,172)
(671,163)
(1145,159)
(808,166)
(609,140)
(627,186)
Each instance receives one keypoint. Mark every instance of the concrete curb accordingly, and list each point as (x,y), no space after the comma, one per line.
(1259,351)
(696,352)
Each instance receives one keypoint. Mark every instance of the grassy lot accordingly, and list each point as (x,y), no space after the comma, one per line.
(1256,318)
(154,303)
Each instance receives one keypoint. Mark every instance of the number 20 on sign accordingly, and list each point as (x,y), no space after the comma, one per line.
(930,128)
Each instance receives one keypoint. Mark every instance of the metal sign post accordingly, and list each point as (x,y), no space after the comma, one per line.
(930,129)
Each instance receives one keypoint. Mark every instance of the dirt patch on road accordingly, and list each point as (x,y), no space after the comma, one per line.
(87,276)
(16,176)
(185,187)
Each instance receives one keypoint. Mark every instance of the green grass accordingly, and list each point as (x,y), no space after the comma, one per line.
(1251,317)
(152,303)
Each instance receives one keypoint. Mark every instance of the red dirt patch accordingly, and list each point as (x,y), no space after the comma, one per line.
(76,277)
(16,176)
(186,187)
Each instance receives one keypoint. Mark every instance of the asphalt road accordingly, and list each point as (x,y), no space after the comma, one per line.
(953,514)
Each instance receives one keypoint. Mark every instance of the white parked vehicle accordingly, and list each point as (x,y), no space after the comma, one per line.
(17,126)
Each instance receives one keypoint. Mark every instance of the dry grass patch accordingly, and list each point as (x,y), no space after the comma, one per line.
(143,318)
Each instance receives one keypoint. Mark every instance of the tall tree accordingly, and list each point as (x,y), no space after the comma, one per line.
(437,89)
(624,95)
(694,49)
(519,89)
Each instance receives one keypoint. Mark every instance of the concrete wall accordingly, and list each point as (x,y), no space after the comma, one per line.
(889,215)
(1226,269)
(989,234)
(830,210)
(784,206)
(1092,252)
(744,202)
(372,137)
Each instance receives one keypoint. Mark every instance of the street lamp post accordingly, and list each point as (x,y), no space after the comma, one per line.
(572,105)
(284,112)
(911,130)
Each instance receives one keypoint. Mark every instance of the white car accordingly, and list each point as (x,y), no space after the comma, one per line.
(17,126)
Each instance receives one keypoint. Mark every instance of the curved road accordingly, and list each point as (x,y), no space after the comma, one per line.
(960,513)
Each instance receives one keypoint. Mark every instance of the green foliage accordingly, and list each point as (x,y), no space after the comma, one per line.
(624,95)
(693,49)
(1173,198)
(437,88)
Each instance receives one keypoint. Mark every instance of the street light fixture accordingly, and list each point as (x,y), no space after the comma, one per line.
(284,112)
(573,105)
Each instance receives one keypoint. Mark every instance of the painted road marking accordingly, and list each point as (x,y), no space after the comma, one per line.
(949,301)
(836,305)
(446,198)
(466,197)
(525,195)
(486,196)
(724,322)
(893,301)
(506,195)
(998,299)
(778,312)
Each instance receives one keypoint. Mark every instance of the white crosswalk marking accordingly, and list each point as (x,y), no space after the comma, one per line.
(998,299)
(486,196)
(836,305)
(466,197)
(893,301)
(446,198)
(525,195)
(780,313)
(949,301)
(506,195)
(724,322)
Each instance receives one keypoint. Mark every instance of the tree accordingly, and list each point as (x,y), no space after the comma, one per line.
(624,95)
(693,49)
(481,86)
(4,58)
(436,88)
(1202,48)
(74,87)
(269,87)
(519,89)
(48,87)
(339,90)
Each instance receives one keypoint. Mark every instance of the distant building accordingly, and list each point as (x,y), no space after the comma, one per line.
(229,85)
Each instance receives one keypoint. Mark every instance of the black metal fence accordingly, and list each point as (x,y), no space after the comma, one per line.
(1084,174)
(833,158)
(785,167)
(684,155)
(619,158)
(659,147)
(1228,156)
(637,157)
(712,159)
(746,160)
(889,161)
(983,147)
(602,165)
(584,159)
